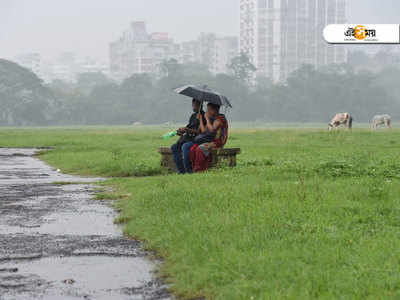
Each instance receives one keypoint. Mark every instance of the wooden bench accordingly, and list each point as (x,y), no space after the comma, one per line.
(220,157)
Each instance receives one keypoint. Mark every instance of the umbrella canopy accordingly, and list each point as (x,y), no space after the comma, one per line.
(204,94)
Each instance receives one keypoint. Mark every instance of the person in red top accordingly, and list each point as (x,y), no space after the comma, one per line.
(214,134)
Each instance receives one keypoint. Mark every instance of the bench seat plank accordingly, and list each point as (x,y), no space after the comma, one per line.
(224,156)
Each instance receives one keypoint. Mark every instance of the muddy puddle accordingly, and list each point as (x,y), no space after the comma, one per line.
(57,242)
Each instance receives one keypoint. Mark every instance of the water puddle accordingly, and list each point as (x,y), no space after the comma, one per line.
(77,277)
(57,242)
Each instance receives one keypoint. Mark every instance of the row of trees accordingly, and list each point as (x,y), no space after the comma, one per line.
(23,98)
(309,95)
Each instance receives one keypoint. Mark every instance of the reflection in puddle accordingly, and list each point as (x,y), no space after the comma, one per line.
(94,220)
(100,277)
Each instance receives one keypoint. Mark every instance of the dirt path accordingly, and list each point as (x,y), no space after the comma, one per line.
(56,242)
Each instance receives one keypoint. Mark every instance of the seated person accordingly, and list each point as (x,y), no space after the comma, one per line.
(181,149)
(214,134)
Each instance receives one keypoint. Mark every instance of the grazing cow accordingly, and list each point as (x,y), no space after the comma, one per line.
(341,119)
(381,120)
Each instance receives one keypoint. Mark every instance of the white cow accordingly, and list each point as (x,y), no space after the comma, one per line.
(341,119)
(381,120)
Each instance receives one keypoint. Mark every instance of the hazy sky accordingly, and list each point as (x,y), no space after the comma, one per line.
(87,26)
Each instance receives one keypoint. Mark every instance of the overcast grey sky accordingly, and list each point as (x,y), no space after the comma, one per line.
(87,26)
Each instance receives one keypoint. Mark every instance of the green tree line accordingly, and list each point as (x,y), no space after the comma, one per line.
(309,95)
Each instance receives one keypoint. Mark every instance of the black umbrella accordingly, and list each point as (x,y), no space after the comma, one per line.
(203,94)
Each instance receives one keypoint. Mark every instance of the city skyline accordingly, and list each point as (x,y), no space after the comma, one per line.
(137,51)
(45,27)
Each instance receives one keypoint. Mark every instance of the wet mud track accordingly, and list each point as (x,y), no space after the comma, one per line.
(57,242)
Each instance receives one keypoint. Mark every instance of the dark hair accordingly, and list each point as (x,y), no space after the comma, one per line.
(195,100)
(214,106)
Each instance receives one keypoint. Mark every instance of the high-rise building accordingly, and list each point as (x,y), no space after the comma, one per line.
(248,28)
(226,48)
(281,35)
(137,51)
(189,52)
(211,50)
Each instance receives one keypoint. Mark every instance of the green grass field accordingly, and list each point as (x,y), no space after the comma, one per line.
(306,214)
